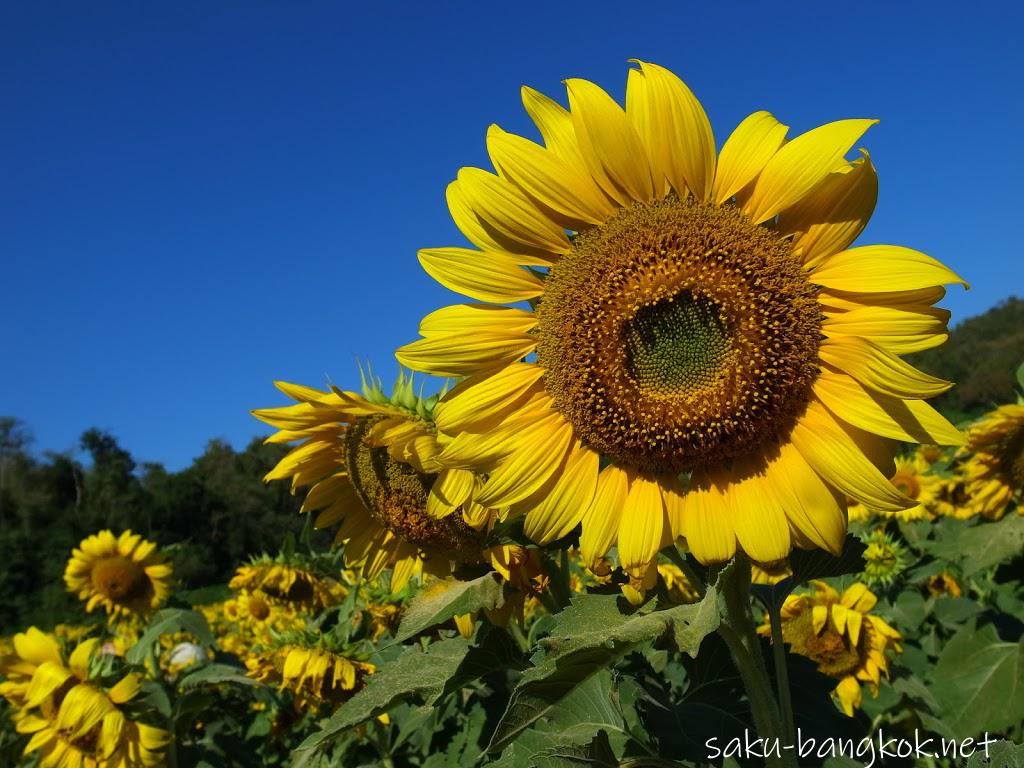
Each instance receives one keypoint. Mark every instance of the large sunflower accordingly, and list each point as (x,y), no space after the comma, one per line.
(125,574)
(370,462)
(841,636)
(994,474)
(692,315)
(76,719)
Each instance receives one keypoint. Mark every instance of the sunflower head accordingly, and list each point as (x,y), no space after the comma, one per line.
(315,669)
(995,470)
(884,558)
(285,580)
(125,574)
(691,312)
(841,635)
(943,583)
(75,711)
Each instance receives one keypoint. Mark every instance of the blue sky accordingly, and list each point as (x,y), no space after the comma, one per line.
(198,198)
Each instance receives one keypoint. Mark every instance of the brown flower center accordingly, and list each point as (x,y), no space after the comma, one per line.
(679,335)
(831,650)
(119,579)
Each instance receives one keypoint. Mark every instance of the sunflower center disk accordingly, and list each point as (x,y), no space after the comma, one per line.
(395,495)
(678,335)
(118,578)
(677,345)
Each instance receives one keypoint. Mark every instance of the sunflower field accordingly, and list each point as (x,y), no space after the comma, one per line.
(664,492)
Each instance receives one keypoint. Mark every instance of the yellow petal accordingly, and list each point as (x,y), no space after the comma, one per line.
(547,180)
(819,617)
(601,519)
(801,165)
(674,129)
(461,319)
(858,597)
(813,507)
(641,526)
(830,218)
(833,454)
(882,268)
(708,523)
(853,624)
(80,657)
(896,329)
(482,451)
(908,420)
(504,209)
(485,396)
(609,144)
(126,689)
(464,354)
(880,370)
(562,508)
(839,617)
(849,694)
(453,486)
(483,235)
(524,472)
(481,275)
(745,154)
(555,125)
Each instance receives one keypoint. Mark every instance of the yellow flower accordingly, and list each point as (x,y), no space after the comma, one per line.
(125,574)
(76,721)
(371,463)
(913,479)
(943,584)
(994,474)
(29,650)
(770,573)
(841,636)
(693,312)
(283,581)
(315,676)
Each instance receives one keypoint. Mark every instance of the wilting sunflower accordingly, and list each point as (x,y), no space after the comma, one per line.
(125,574)
(841,636)
(694,314)
(370,462)
(994,474)
(287,579)
(74,719)
(316,672)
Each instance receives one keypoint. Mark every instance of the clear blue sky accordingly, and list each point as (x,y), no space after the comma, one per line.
(197,198)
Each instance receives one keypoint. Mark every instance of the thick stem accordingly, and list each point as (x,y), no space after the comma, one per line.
(781,672)
(740,634)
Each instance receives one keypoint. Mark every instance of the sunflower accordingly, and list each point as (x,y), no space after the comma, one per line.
(75,719)
(285,580)
(914,480)
(692,314)
(316,672)
(994,474)
(370,462)
(841,636)
(884,558)
(943,584)
(18,664)
(125,574)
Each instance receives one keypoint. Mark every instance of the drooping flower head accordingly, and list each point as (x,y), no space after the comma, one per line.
(125,574)
(316,670)
(75,716)
(694,314)
(994,473)
(370,463)
(839,633)
(287,579)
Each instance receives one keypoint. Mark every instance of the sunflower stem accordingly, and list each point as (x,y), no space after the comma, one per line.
(781,672)
(740,634)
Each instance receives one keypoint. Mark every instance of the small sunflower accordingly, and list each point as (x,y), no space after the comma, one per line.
(943,584)
(76,719)
(125,574)
(370,462)
(693,314)
(884,558)
(841,635)
(994,473)
(283,580)
(317,673)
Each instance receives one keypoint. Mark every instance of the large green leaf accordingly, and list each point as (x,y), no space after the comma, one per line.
(1002,754)
(445,600)
(984,545)
(424,675)
(978,682)
(587,637)
(167,622)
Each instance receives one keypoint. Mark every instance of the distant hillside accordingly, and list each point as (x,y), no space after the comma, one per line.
(981,356)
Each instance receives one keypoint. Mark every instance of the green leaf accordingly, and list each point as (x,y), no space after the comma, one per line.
(984,545)
(426,675)
(1020,377)
(588,636)
(1002,754)
(978,682)
(215,674)
(167,622)
(441,602)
